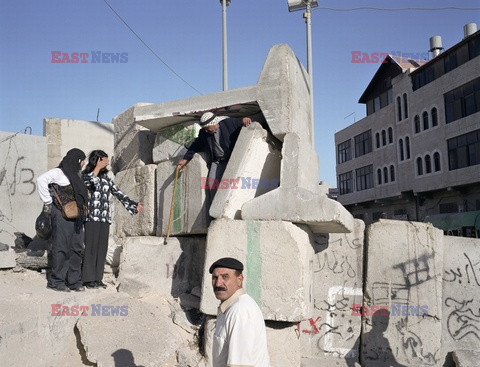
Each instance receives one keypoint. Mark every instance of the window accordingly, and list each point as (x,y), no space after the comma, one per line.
(384,137)
(417,124)
(363,143)
(379,176)
(400,148)
(392,173)
(464,150)
(407,147)
(445,63)
(436,161)
(419,166)
(434,117)
(345,183)
(364,178)
(448,208)
(385,174)
(405,106)
(450,62)
(344,151)
(399,109)
(377,140)
(462,101)
(376,104)
(428,164)
(390,135)
(425,120)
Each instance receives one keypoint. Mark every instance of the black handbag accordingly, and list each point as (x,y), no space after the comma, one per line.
(43,225)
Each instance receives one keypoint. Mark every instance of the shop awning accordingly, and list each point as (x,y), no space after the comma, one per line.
(451,221)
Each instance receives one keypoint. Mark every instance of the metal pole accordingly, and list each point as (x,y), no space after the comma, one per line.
(224,33)
(308,21)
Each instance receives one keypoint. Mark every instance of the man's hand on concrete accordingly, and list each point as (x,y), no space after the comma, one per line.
(246,121)
(181,164)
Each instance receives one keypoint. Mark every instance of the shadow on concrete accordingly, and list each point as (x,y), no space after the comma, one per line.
(124,358)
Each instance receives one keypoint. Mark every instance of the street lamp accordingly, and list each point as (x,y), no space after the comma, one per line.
(225,3)
(294,5)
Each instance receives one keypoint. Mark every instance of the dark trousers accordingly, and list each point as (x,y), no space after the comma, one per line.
(66,253)
(96,246)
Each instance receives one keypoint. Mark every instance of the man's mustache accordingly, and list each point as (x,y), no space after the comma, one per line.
(216,289)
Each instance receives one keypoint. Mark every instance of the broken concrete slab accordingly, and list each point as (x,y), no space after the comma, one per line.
(7,259)
(171,142)
(149,266)
(403,294)
(139,185)
(253,169)
(234,103)
(331,335)
(284,94)
(133,143)
(127,344)
(190,215)
(321,214)
(264,247)
(461,295)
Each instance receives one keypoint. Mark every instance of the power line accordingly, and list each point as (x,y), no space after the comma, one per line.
(150,49)
(391,9)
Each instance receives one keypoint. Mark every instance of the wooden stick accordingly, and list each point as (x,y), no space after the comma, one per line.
(172,205)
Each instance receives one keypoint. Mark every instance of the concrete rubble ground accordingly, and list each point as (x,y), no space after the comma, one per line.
(332,291)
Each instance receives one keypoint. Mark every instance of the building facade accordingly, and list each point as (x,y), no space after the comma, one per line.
(416,155)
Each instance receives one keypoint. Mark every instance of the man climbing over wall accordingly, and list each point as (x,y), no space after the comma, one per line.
(217,137)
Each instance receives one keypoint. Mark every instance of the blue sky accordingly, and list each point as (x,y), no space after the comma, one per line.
(187,35)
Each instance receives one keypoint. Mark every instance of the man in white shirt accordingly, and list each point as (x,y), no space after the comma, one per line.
(240,337)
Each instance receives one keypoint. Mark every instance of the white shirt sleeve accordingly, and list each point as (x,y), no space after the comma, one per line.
(54,175)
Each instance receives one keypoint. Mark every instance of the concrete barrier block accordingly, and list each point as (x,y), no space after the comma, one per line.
(403,294)
(264,248)
(466,358)
(299,164)
(190,215)
(331,335)
(139,185)
(234,102)
(461,295)
(170,142)
(22,159)
(297,205)
(133,143)
(65,134)
(253,170)
(149,266)
(284,94)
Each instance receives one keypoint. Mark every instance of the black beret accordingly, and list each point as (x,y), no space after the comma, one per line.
(226,262)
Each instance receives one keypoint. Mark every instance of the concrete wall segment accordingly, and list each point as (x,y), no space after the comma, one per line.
(266,248)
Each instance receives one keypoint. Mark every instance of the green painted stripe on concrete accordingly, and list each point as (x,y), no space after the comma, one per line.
(254,260)
(178,202)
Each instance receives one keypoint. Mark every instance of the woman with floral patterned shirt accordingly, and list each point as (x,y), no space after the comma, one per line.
(97,225)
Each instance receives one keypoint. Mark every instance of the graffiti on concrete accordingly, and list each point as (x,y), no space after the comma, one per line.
(469,273)
(463,318)
(413,345)
(16,179)
(337,261)
(416,271)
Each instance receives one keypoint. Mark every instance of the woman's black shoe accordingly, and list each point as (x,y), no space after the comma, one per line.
(101,284)
(91,285)
(59,288)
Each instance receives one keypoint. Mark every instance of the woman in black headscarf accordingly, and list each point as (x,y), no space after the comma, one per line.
(67,235)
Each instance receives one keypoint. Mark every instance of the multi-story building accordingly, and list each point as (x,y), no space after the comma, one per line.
(416,155)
